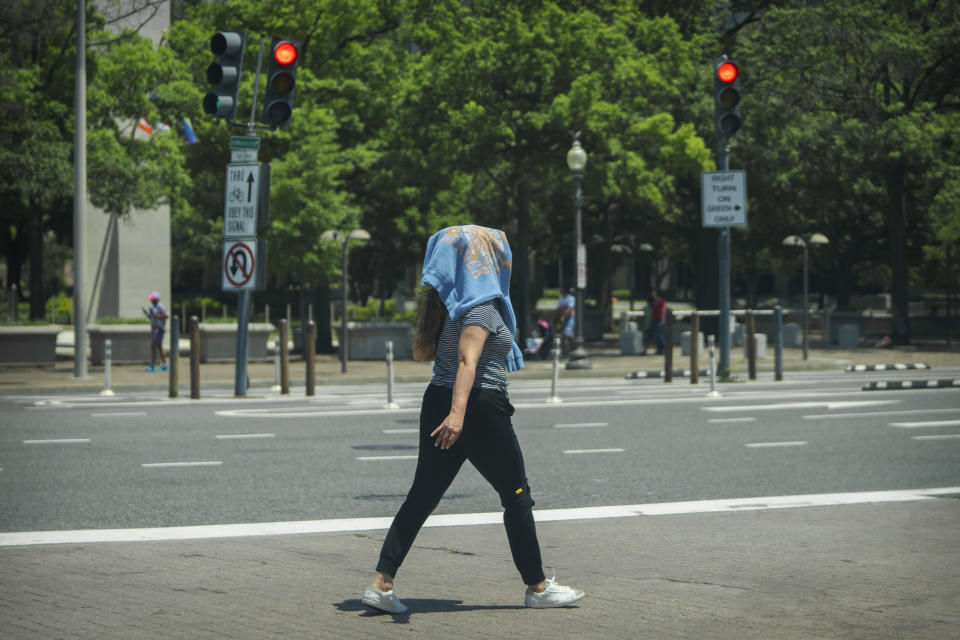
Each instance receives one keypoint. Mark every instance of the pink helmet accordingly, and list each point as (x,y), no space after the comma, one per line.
(153,296)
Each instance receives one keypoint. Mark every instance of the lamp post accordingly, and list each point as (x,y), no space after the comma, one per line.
(800,241)
(356,234)
(576,161)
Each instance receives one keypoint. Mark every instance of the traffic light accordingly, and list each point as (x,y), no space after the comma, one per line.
(225,74)
(726,92)
(281,81)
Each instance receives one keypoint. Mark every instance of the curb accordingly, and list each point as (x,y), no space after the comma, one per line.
(911,384)
(888,367)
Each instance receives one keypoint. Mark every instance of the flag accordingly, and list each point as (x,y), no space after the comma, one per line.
(145,126)
(188,131)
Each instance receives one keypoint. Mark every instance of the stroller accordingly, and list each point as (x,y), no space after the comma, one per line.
(540,347)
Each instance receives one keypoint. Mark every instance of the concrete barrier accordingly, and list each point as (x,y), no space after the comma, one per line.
(29,344)
(760,340)
(368,340)
(218,342)
(685,343)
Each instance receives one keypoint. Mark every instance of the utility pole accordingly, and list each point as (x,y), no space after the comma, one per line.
(80,196)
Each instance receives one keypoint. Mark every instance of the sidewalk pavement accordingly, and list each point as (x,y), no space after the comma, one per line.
(869,571)
(605,356)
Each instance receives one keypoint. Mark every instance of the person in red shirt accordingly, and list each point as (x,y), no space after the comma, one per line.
(659,307)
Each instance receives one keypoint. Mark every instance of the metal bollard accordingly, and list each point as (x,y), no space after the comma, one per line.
(390,403)
(194,358)
(554,398)
(713,371)
(309,357)
(668,347)
(284,358)
(107,359)
(174,389)
(751,346)
(276,365)
(694,348)
(778,354)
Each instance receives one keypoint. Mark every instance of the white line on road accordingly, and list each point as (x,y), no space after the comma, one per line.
(946,436)
(577,425)
(393,431)
(200,532)
(245,436)
(576,451)
(370,458)
(921,425)
(800,405)
(161,465)
(58,441)
(119,414)
(730,420)
(876,414)
(761,445)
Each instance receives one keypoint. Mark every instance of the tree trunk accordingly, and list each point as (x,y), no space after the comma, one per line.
(896,234)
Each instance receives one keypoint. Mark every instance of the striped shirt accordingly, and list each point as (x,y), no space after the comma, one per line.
(492,364)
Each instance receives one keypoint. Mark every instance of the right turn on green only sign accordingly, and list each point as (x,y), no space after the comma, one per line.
(724,196)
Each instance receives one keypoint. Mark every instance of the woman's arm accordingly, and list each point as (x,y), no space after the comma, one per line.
(472,338)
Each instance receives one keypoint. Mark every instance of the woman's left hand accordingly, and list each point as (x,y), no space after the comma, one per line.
(448,431)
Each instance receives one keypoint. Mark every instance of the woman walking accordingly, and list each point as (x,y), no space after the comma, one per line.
(466,326)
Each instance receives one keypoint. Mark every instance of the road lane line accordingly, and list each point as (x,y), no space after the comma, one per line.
(921,425)
(372,458)
(58,441)
(577,425)
(162,465)
(876,414)
(245,436)
(731,420)
(393,431)
(800,405)
(577,451)
(202,532)
(119,414)
(946,436)
(761,445)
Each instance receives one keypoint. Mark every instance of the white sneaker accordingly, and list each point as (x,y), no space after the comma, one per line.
(383,600)
(554,595)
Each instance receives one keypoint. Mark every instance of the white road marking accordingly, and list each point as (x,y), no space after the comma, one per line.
(800,405)
(730,420)
(946,436)
(245,436)
(921,425)
(577,425)
(371,458)
(794,443)
(58,441)
(200,532)
(392,431)
(576,451)
(119,414)
(875,414)
(161,465)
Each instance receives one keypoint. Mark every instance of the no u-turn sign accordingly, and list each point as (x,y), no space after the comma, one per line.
(239,265)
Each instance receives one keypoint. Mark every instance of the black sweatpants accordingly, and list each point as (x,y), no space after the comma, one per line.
(490,444)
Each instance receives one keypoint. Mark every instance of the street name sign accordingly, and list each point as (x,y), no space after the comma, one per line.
(724,197)
(244,142)
(241,200)
(239,264)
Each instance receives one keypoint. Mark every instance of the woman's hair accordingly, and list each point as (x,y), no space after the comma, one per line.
(431,314)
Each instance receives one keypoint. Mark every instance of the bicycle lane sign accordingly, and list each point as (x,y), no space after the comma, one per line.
(239,262)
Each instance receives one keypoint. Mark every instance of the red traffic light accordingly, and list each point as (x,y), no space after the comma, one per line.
(285,53)
(727,72)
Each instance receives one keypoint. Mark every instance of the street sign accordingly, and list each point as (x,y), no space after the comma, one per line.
(243,155)
(242,198)
(244,142)
(581,266)
(239,265)
(724,197)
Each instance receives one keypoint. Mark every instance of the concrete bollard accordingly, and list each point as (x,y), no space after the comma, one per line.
(107,359)
(390,403)
(554,398)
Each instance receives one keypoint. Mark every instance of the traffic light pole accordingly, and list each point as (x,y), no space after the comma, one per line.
(724,269)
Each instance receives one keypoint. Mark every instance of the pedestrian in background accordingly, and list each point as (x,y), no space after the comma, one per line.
(157,313)
(466,325)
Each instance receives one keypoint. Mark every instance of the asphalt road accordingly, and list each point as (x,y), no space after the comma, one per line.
(77,462)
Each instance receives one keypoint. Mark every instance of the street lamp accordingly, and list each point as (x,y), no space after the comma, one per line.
(800,241)
(356,234)
(576,161)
